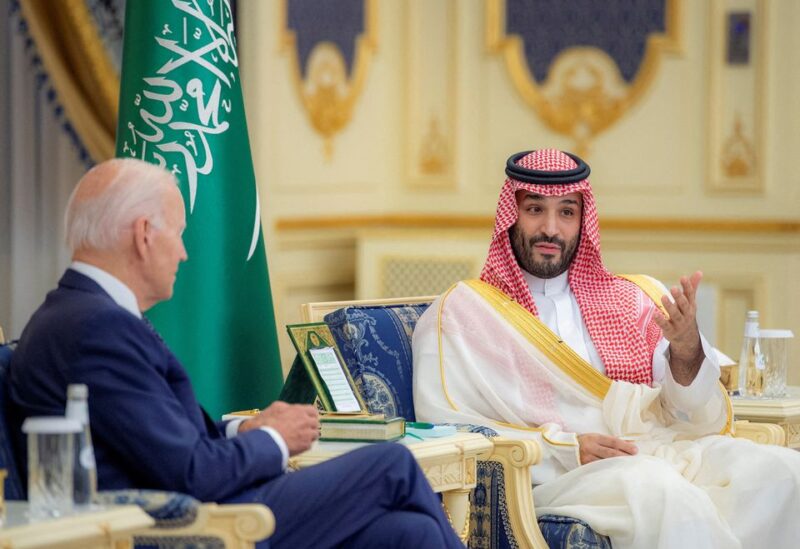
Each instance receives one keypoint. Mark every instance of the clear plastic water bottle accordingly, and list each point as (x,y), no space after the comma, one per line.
(84,469)
(751,361)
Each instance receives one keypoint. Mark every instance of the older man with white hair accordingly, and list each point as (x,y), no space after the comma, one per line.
(124,224)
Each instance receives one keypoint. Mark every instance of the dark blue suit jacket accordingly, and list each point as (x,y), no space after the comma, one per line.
(147,427)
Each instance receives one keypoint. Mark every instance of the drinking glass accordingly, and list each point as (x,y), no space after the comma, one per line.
(50,461)
(775,349)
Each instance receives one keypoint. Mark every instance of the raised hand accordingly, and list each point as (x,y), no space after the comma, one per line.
(298,424)
(680,329)
(594,446)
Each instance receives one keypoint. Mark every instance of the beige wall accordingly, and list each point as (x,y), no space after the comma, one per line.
(326,217)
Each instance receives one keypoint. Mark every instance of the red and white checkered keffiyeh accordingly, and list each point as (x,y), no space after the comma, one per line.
(618,315)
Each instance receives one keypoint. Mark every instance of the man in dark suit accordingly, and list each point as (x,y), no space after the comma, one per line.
(124,224)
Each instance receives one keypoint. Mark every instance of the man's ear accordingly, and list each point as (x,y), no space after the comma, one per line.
(142,236)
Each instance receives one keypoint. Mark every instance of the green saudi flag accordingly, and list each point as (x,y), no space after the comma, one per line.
(181,108)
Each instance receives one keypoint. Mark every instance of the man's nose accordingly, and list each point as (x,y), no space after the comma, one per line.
(550,224)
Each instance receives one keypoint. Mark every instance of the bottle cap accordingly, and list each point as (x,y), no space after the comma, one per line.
(775,334)
(77,390)
(50,425)
(752,314)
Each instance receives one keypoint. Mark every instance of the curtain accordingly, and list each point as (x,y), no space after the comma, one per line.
(72,51)
(40,162)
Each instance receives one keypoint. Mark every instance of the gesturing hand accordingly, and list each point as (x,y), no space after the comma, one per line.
(594,446)
(680,329)
(298,424)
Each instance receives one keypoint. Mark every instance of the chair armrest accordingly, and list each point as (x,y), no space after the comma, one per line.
(181,520)
(516,457)
(237,525)
(168,509)
(763,433)
(473,428)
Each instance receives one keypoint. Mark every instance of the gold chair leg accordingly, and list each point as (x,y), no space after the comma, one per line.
(456,506)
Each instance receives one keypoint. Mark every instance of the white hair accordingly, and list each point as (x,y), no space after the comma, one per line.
(136,190)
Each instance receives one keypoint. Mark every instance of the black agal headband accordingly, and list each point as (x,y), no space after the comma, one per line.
(542,177)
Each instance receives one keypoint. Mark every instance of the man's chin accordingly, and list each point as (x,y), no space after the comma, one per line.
(166,295)
(546,261)
(546,269)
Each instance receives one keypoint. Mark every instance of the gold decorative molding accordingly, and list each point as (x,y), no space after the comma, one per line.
(584,93)
(3,475)
(443,221)
(443,476)
(738,153)
(792,434)
(434,156)
(327,94)
(431,67)
(761,433)
(737,97)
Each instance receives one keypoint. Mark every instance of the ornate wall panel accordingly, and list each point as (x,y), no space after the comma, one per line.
(328,224)
(331,45)
(582,64)
(737,92)
(402,263)
(431,67)
(423,275)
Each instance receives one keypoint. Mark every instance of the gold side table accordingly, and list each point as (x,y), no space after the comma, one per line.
(105,528)
(450,464)
(784,412)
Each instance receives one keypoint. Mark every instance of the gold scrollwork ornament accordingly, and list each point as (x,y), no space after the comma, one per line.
(738,153)
(584,92)
(326,92)
(434,155)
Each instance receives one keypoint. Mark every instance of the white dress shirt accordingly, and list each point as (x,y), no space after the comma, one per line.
(125,298)
(113,286)
(558,309)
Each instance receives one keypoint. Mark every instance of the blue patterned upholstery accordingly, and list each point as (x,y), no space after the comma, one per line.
(14,488)
(169,509)
(489,522)
(376,345)
(570,533)
(375,342)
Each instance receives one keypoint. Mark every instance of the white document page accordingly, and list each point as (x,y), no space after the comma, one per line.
(332,373)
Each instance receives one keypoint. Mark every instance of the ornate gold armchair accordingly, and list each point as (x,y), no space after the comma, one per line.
(375,339)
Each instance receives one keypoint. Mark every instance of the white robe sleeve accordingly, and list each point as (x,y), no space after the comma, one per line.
(704,387)
(681,400)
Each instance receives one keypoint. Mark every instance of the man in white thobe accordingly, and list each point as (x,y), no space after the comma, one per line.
(610,374)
